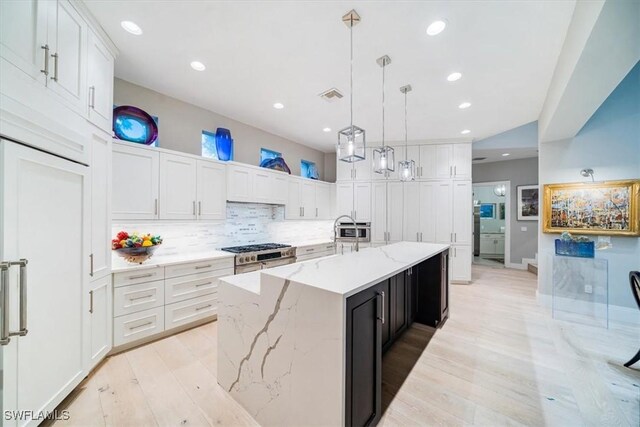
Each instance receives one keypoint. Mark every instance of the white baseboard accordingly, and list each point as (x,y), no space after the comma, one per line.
(617,313)
(516,266)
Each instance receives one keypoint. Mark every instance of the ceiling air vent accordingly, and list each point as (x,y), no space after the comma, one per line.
(331,95)
(477,159)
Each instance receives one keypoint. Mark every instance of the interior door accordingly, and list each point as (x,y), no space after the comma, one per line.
(135,182)
(100,83)
(67,35)
(177,187)
(23,33)
(395,201)
(100,256)
(411,218)
(212,190)
(44,220)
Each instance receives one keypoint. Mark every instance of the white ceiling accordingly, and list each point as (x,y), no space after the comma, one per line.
(261,52)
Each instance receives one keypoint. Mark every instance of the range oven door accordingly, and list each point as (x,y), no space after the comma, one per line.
(262,265)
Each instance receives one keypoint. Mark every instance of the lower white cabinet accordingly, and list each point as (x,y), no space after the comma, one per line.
(182,313)
(491,244)
(460,257)
(305,253)
(99,339)
(150,301)
(136,326)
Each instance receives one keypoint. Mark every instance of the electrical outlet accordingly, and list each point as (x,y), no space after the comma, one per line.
(588,289)
(523,228)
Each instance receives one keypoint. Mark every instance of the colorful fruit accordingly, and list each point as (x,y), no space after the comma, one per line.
(147,243)
(123,235)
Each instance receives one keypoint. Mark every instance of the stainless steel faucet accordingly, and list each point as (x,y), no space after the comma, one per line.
(335,231)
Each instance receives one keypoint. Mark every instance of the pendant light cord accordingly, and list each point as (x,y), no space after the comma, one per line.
(384,65)
(351,75)
(406,155)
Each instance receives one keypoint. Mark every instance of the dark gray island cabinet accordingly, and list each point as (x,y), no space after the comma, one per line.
(377,317)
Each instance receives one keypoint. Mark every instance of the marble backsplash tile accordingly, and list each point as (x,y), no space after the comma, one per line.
(246,223)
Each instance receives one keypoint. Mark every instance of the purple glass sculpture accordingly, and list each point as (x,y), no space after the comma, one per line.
(134,125)
(224,144)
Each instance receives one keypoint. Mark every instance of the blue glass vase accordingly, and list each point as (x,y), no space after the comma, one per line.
(224,144)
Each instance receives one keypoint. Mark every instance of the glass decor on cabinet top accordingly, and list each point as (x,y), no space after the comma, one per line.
(135,125)
(217,146)
(308,170)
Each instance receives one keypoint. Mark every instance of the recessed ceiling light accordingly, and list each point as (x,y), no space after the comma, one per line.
(505,154)
(436,28)
(464,105)
(131,27)
(278,106)
(466,131)
(454,76)
(198,66)
(326,130)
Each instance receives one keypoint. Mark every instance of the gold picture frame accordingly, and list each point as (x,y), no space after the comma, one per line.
(610,208)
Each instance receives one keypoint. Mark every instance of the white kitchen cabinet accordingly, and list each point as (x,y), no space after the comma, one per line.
(100,64)
(67,39)
(491,244)
(100,255)
(99,340)
(395,202)
(460,257)
(211,190)
(262,186)
(429,206)
(427,164)
(442,212)
(23,32)
(280,194)
(42,367)
(323,200)
(344,171)
(308,199)
(293,209)
(344,199)
(462,211)
(362,201)
(443,161)
(239,183)
(461,161)
(189,311)
(379,212)
(362,170)
(178,191)
(411,211)
(135,180)
(387,212)
(137,326)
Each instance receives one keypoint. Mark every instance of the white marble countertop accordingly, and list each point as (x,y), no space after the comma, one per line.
(161,260)
(349,273)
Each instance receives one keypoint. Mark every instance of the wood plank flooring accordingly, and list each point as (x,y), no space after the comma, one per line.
(499,360)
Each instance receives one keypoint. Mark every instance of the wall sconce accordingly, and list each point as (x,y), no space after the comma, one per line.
(587,173)
(500,190)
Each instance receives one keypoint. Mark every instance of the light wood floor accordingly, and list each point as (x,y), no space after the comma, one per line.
(499,360)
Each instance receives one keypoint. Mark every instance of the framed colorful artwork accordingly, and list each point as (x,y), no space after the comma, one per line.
(528,203)
(605,208)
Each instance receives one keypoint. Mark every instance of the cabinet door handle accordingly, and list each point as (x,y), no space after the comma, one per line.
(203,284)
(194,208)
(91,265)
(382,317)
(417,236)
(140,326)
(455,237)
(140,297)
(91,302)
(4,303)
(55,67)
(203,307)
(450,171)
(316,212)
(45,71)
(140,276)
(92,97)
(199,208)
(155,207)
(200,267)
(455,171)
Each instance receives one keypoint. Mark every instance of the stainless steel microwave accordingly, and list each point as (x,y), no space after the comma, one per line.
(347,232)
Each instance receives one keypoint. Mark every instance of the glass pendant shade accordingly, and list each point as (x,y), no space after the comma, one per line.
(500,190)
(407,170)
(351,144)
(384,159)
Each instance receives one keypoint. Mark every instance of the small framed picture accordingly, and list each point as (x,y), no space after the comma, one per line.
(488,210)
(528,202)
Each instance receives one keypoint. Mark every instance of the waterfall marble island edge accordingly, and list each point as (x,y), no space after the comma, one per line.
(282,333)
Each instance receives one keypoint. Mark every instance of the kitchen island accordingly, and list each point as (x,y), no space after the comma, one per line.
(302,344)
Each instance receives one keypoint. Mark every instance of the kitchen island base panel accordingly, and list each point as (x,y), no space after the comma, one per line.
(280,356)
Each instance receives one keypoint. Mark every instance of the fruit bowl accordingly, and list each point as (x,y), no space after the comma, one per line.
(136,255)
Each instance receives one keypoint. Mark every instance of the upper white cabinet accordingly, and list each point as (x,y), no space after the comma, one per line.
(443,161)
(344,199)
(354,199)
(262,186)
(293,209)
(308,199)
(411,211)
(99,83)
(344,171)
(461,161)
(67,38)
(177,187)
(280,188)
(247,183)
(387,212)
(211,190)
(23,35)
(323,200)
(135,182)
(239,183)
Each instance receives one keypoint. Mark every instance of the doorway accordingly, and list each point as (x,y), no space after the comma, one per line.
(491,223)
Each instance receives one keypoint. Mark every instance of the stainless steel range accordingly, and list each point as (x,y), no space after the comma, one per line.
(258,257)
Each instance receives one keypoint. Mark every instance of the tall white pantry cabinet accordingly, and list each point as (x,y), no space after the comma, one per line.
(437,207)
(56,91)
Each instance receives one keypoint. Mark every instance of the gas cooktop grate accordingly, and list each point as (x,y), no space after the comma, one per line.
(254,248)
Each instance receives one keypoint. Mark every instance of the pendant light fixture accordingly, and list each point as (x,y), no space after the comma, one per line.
(351,140)
(383,156)
(407,167)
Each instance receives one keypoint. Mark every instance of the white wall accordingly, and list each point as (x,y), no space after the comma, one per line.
(181,125)
(609,143)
